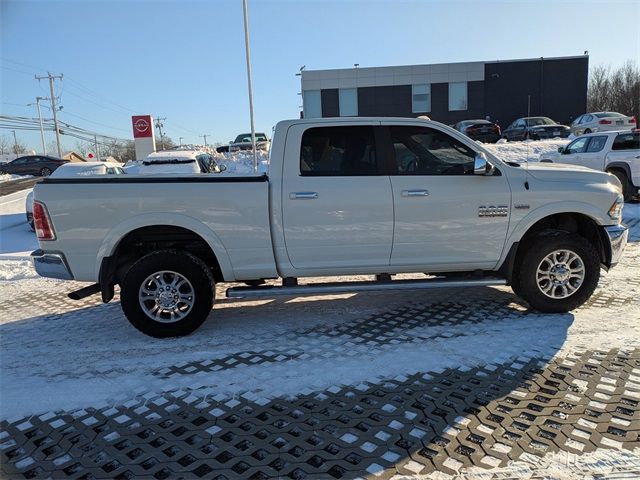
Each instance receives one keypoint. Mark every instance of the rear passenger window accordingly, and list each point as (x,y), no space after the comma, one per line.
(596,144)
(427,151)
(339,151)
(627,141)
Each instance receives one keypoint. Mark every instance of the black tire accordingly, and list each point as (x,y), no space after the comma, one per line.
(627,187)
(188,266)
(525,283)
(588,130)
(45,172)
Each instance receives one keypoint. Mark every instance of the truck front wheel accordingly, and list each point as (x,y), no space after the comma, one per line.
(167,293)
(558,272)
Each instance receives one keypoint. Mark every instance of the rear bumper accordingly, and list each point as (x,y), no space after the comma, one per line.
(52,265)
(617,236)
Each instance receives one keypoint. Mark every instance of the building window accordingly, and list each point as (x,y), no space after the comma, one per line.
(348,102)
(457,96)
(312,104)
(421,98)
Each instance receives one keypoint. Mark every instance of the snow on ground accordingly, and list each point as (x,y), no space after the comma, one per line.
(7,177)
(17,240)
(529,150)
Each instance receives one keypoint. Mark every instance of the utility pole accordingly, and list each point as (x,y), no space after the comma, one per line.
(15,142)
(205,138)
(53,107)
(249,81)
(44,148)
(95,141)
(180,140)
(159,126)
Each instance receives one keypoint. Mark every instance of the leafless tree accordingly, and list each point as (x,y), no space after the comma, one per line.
(616,90)
(5,144)
(167,142)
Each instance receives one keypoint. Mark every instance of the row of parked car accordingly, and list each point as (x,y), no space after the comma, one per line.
(537,128)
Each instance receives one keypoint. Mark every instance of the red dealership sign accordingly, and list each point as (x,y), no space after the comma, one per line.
(142,126)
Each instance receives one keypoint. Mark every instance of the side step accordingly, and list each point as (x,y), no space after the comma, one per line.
(367,286)
(84,292)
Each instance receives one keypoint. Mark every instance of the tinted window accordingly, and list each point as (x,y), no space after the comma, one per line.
(426,151)
(626,141)
(347,151)
(596,144)
(577,146)
(21,161)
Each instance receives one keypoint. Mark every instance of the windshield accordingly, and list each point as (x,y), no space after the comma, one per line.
(535,121)
(246,138)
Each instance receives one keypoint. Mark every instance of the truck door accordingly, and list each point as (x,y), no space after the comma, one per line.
(445,216)
(572,153)
(336,198)
(593,154)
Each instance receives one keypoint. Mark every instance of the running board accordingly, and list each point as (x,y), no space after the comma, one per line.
(370,286)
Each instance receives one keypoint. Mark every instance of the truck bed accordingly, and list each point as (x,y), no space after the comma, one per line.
(91,215)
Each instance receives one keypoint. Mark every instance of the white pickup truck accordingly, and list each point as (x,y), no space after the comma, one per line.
(616,152)
(344,196)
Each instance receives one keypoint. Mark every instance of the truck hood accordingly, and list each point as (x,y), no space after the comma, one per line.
(560,172)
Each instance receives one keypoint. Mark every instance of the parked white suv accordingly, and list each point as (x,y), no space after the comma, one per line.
(344,196)
(616,152)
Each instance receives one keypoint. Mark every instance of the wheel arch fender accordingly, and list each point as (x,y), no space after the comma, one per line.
(537,216)
(624,166)
(113,238)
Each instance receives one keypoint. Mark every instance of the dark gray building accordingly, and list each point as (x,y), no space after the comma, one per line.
(450,92)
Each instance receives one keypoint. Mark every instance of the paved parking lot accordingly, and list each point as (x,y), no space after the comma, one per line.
(466,383)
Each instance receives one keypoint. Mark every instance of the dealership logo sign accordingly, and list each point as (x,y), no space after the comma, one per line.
(142,126)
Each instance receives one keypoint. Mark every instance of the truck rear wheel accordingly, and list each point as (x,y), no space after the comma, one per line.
(558,272)
(167,293)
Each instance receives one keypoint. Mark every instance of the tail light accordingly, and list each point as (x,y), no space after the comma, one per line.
(42,222)
(632,119)
(605,122)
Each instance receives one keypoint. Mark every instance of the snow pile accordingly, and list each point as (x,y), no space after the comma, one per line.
(520,152)
(242,162)
(7,177)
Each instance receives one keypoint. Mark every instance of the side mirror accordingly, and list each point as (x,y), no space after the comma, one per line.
(481,166)
(561,149)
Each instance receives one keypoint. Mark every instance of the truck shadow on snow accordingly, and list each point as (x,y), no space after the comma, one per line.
(408,387)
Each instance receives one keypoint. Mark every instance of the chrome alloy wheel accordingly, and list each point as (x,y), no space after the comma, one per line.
(166,296)
(560,274)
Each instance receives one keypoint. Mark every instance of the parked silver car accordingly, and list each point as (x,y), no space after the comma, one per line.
(601,122)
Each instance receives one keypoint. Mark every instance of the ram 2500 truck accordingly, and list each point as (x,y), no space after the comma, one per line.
(344,196)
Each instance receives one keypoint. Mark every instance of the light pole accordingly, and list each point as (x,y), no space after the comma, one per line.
(205,138)
(249,81)
(180,140)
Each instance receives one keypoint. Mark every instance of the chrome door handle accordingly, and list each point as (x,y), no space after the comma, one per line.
(303,195)
(415,193)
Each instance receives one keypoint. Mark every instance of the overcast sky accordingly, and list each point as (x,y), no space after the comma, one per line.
(184,60)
